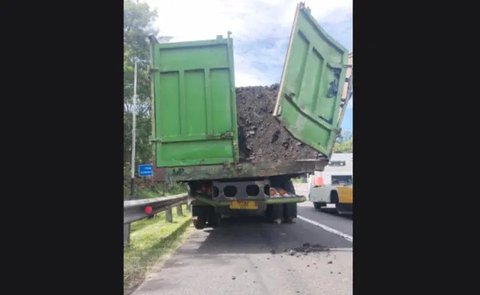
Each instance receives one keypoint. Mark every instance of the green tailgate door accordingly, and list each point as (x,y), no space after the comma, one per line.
(308,102)
(194,118)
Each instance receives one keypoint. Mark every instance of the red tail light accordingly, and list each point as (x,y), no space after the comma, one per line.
(148,210)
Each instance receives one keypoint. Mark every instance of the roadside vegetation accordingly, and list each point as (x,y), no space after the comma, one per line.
(344,143)
(343,147)
(152,240)
(146,188)
(138,24)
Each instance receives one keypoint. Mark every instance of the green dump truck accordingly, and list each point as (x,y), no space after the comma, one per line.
(195,130)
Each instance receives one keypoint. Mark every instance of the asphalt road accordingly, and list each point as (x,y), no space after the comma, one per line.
(252,256)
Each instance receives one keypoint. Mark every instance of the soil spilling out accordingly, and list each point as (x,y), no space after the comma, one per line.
(261,136)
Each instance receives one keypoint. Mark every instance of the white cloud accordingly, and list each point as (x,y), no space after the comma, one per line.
(260,29)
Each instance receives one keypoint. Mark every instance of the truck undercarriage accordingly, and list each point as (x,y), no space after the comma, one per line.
(273,197)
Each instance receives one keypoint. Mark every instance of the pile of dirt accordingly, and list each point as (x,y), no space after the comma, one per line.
(261,137)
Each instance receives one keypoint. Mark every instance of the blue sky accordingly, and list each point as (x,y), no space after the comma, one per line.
(347,123)
(260,31)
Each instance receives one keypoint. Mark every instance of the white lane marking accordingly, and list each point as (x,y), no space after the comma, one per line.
(327,228)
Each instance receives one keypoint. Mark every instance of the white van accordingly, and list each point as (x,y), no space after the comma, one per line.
(334,185)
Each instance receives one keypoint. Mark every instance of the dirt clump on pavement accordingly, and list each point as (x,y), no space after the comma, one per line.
(306,248)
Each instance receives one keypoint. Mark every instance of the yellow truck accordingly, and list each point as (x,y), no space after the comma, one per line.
(334,185)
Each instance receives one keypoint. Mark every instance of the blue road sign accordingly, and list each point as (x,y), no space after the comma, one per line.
(145,170)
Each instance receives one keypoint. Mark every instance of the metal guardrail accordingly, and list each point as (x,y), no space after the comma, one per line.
(134,210)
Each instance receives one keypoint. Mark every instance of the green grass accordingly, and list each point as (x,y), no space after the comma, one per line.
(150,240)
(159,191)
(344,147)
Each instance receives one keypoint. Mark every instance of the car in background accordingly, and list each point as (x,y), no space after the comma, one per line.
(334,185)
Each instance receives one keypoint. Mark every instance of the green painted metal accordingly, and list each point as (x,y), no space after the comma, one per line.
(286,200)
(195,116)
(312,82)
(194,122)
(243,170)
(224,203)
(212,202)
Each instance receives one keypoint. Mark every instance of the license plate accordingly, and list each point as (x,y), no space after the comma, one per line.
(249,205)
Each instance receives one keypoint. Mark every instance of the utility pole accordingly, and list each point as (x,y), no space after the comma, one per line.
(134,129)
(126,226)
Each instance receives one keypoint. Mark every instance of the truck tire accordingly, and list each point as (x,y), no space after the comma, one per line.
(213,217)
(199,222)
(286,212)
(274,212)
(289,212)
(289,209)
(200,212)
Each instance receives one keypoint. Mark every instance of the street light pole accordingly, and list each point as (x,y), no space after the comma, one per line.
(134,128)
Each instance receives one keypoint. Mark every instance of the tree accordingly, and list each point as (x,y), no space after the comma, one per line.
(344,143)
(138,21)
(344,136)
(344,147)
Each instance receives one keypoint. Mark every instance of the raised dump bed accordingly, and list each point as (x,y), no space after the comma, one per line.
(201,119)
(237,148)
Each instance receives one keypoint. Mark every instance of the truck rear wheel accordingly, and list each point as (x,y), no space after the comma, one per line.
(289,209)
(199,222)
(275,213)
(213,217)
(290,212)
(200,216)
(319,205)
